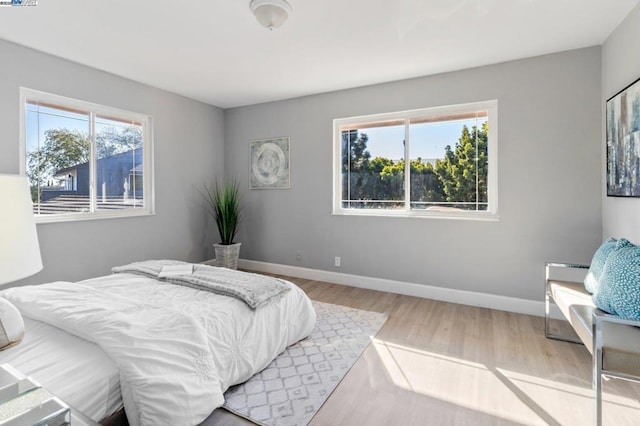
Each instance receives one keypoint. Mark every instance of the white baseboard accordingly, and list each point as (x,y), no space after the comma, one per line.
(485,300)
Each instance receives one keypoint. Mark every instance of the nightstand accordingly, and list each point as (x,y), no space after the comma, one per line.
(24,402)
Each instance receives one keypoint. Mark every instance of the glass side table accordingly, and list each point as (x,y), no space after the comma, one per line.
(23,401)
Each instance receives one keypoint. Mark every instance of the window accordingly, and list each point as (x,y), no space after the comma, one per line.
(84,160)
(438,162)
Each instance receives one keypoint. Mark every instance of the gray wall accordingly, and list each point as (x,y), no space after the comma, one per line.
(188,151)
(620,67)
(549,180)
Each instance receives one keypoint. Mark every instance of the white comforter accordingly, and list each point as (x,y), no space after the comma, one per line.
(178,349)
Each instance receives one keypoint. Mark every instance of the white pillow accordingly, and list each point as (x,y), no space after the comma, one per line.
(11,325)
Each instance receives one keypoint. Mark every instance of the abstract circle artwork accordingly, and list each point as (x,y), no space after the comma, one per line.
(269,166)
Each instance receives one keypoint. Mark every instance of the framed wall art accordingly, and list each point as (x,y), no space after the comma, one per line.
(269,164)
(623,142)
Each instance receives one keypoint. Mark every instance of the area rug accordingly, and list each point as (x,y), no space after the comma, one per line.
(295,385)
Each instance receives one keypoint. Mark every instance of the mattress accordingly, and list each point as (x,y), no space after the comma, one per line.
(71,368)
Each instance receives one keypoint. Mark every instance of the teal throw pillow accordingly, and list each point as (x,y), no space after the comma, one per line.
(599,259)
(619,288)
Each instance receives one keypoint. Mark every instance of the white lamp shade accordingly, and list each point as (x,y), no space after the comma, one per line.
(19,247)
(270,13)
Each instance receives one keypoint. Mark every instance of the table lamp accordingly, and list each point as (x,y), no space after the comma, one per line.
(19,248)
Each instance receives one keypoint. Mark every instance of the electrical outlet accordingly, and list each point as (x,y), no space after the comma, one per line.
(337,262)
(298,255)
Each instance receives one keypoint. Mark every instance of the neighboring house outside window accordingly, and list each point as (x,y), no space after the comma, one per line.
(451,169)
(85,160)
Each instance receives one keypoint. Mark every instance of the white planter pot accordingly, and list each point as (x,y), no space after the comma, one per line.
(227,255)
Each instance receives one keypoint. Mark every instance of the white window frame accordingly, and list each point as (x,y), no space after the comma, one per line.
(491,106)
(148,207)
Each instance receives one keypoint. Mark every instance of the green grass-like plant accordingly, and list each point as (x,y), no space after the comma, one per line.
(224,202)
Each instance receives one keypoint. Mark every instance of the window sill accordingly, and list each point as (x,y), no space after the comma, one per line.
(58,218)
(474,216)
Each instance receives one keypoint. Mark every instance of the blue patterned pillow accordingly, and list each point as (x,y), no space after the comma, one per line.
(619,291)
(591,282)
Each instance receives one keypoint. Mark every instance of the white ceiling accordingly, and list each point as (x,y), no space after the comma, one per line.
(214,50)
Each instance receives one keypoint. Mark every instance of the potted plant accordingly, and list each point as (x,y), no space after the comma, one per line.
(224,203)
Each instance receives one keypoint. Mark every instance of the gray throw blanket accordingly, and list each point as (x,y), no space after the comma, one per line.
(253,289)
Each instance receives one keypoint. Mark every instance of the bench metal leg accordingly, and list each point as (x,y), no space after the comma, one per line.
(546,314)
(597,369)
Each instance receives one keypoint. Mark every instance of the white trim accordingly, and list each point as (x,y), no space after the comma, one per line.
(93,110)
(471,298)
(22,134)
(421,214)
(491,106)
(93,172)
(76,217)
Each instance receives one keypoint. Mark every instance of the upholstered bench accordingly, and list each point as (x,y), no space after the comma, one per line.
(613,342)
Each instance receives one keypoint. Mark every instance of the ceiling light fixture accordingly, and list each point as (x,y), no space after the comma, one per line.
(270,13)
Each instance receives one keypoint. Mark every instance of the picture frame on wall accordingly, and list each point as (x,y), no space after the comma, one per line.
(269,166)
(623,142)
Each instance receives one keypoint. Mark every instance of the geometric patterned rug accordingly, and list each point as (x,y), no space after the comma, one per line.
(295,385)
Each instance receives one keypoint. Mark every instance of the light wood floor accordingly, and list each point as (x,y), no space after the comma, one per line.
(438,363)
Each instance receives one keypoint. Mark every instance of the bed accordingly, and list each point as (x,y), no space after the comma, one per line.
(162,348)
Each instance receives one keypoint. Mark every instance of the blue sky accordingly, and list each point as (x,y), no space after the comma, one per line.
(428,140)
(50,118)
